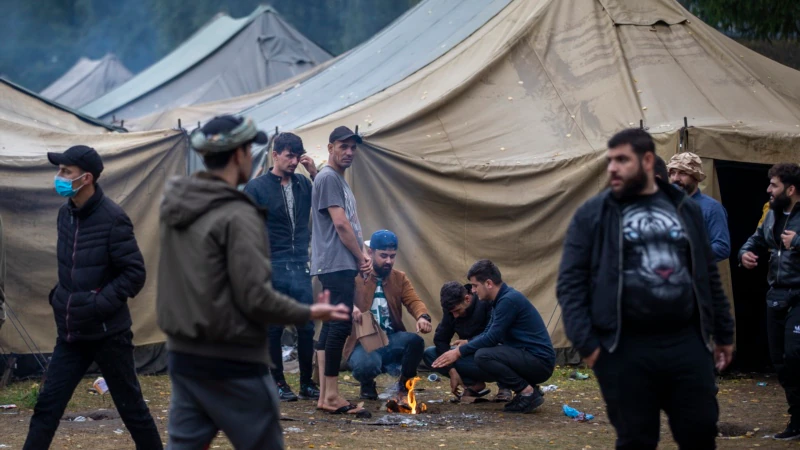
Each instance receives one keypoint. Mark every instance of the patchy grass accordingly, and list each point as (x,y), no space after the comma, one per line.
(747,410)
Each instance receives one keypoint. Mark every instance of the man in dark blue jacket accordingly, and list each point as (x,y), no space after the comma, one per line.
(641,300)
(99,269)
(515,349)
(287,198)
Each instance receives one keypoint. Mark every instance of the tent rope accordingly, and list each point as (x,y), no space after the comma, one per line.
(14,319)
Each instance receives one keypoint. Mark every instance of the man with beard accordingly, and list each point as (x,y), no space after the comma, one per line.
(215,298)
(384,293)
(286,196)
(641,298)
(778,234)
(686,171)
(515,349)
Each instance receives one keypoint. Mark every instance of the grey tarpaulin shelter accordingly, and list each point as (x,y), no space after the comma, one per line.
(226,58)
(136,168)
(87,80)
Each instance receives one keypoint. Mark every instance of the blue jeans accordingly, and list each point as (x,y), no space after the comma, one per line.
(294,280)
(404,349)
(466,367)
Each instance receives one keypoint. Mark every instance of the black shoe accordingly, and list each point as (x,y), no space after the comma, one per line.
(369,391)
(789,434)
(285,392)
(524,404)
(309,391)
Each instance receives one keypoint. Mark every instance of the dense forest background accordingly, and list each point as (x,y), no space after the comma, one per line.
(41,39)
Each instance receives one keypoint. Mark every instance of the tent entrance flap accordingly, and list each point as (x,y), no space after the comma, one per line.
(743,192)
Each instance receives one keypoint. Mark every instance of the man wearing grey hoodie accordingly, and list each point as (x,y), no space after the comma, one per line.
(215,298)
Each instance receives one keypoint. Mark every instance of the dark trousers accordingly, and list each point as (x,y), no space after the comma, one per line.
(648,373)
(114,356)
(342,286)
(245,409)
(513,368)
(783,335)
(466,367)
(404,349)
(294,280)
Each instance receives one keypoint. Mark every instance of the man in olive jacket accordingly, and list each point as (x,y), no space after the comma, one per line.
(215,298)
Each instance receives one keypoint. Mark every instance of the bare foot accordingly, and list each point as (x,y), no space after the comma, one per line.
(334,404)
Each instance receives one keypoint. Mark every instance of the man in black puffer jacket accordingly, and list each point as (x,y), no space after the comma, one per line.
(99,268)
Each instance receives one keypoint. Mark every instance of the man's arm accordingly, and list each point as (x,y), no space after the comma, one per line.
(756,243)
(574,283)
(503,316)
(127,261)
(346,233)
(723,321)
(717,225)
(444,333)
(414,305)
(250,274)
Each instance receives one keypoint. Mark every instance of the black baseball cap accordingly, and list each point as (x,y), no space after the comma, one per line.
(343,133)
(86,158)
(227,123)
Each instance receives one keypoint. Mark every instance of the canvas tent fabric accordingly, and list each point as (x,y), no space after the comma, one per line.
(136,168)
(87,80)
(487,150)
(226,58)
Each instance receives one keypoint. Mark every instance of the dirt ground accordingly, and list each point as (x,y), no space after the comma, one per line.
(749,413)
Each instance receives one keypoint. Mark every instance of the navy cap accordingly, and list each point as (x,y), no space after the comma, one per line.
(383,240)
(86,158)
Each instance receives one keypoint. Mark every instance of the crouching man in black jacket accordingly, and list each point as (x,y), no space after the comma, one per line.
(642,299)
(99,268)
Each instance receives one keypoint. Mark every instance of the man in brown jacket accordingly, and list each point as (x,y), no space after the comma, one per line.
(215,298)
(383,294)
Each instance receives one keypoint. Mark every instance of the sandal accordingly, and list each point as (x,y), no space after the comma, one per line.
(469,392)
(363,414)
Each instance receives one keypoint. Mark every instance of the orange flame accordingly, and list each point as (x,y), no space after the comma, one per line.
(412,399)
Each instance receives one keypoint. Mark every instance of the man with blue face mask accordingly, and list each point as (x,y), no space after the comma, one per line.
(99,268)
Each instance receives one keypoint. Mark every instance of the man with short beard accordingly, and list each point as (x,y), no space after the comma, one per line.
(778,234)
(641,300)
(384,293)
(686,171)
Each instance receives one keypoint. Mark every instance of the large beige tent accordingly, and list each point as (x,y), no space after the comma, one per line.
(486,151)
(136,168)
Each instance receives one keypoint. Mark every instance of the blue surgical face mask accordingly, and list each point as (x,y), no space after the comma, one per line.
(64,186)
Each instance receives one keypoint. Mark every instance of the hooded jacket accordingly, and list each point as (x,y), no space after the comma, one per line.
(99,268)
(215,296)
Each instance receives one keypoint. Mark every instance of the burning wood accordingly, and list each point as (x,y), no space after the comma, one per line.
(411,406)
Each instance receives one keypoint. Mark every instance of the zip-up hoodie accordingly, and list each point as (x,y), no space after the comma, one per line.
(215,296)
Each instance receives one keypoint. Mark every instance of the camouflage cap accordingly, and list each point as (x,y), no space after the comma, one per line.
(689,163)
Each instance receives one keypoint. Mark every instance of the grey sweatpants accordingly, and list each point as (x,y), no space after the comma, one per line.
(245,409)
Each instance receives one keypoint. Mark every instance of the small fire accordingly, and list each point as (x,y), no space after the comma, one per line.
(411,407)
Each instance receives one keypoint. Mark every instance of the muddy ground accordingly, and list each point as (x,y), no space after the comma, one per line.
(749,413)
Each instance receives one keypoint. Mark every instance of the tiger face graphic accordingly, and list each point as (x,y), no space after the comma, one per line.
(653,240)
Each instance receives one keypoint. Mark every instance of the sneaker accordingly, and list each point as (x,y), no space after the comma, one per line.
(309,391)
(285,392)
(369,391)
(524,404)
(789,434)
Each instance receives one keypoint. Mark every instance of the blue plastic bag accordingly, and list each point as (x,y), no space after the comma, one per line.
(576,415)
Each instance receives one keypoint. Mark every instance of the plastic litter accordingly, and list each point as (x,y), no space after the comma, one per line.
(434,377)
(576,415)
(761,383)
(575,375)
(11,406)
(550,388)
(435,401)
(4,446)
(118,431)
(294,430)
(100,385)
(79,419)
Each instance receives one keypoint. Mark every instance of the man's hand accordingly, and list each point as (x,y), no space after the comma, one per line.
(749,260)
(356,315)
(423,326)
(723,354)
(459,342)
(324,311)
(455,383)
(592,359)
(308,163)
(448,358)
(365,266)
(787,237)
